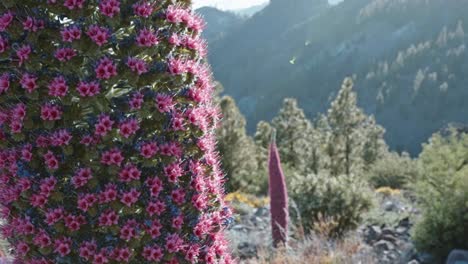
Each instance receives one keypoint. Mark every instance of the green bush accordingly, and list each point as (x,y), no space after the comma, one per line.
(339,200)
(393,171)
(443,193)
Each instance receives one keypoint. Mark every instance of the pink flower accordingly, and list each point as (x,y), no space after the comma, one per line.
(108,218)
(148,150)
(104,125)
(42,239)
(26,152)
(63,246)
(164,103)
(137,65)
(72,4)
(32,24)
(4,83)
(178,123)
(129,173)
(155,186)
(81,177)
(143,9)
(60,138)
(192,253)
(112,157)
(22,248)
(99,35)
(50,112)
(64,54)
(5,20)
(101,257)
(53,216)
(58,87)
(51,161)
(86,201)
(178,196)
(174,40)
(47,186)
(88,89)
(174,243)
(23,53)
(152,253)
(109,8)
(147,38)
(109,194)
(70,34)
(73,222)
(122,254)
(38,200)
(155,208)
(18,112)
(131,197)
(29,82)
(127,232)
(177,66)
(129,127)
(3,44)
(178,222)
(106,69)
(136,101)
(173,172)
(174,14)
(88,249)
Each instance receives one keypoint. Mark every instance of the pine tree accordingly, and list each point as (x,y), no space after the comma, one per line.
(237,148)
(294,133)
(107,134)
(353,140)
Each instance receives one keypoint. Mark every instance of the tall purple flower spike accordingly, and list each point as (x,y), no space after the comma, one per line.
(278,195)
(107,134)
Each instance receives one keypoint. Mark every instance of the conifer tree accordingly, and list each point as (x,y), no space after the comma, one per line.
(352,137)
(237,148)
(107,134)
(294,133)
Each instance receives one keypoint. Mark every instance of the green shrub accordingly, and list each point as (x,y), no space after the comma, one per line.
(393,171)
(341,200)
(443,193)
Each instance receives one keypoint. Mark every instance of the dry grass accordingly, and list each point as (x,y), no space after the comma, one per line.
(317,250)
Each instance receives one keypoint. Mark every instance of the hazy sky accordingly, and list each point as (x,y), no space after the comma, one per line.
(235,4)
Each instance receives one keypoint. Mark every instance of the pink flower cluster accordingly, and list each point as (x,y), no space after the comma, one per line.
(129,127)
(143,9)
(101,177)
(137,65)
(51,112)
(5,20)
(69,34)
(65,54)
(106,69)
(88,89)
(33,24)
(109,8)
(147,38)
(58,87)
(99,35)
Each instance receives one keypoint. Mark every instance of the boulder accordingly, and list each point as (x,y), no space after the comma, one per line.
(458,257)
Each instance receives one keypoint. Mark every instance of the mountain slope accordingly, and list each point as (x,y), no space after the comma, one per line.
(305,48)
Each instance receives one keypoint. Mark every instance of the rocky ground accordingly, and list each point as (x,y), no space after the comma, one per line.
(385,235)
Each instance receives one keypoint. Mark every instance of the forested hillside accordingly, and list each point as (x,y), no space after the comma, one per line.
(408,59)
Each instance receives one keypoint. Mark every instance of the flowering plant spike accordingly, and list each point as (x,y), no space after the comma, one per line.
(278,195)
(107,148)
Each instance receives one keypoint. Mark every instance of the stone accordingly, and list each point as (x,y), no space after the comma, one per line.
(373,233)
(383,245)
(390,238)
(390,206)
(458,257)
(413,262)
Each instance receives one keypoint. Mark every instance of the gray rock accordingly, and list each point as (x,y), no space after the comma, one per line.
(390,206)
(413,262)
(458,257)
(383,245)
(373,233)
(390,238)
